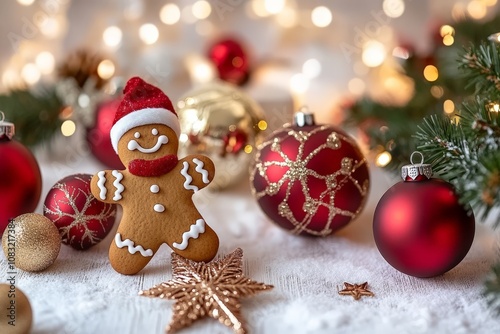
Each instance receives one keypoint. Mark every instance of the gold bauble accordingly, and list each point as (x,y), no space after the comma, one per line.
(220,121)
(16,309)
(31,242)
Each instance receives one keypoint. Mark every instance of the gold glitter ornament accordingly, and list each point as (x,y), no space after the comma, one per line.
(17,315)
(207,289)
(220,121)
(32,242)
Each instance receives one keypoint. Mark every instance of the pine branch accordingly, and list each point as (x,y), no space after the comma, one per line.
(35,115)
(481,65)
(492,288)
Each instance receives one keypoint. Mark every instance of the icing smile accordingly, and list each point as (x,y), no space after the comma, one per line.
(134,145)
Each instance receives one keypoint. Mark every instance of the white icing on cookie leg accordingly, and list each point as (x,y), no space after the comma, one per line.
(199,168)
(119,187)
(189,179)
(158,208)
(130,245)
(194,231)
(100,184)
(134,145)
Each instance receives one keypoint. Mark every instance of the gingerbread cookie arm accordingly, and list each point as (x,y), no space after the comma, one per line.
(197,171)
(106,186)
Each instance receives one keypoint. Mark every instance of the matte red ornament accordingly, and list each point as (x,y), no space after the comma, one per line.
(231,61)
(20,178)
(310,179)
(82,220)
(98,136)
(420,227)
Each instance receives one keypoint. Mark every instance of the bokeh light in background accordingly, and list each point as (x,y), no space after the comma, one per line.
(45,62)
(106,69)
(112,36)
(170,14)
(321,16)
(149,33)
(431,73)
(25,2)
(393,8)
(374,53)
(30,73)
(201,9)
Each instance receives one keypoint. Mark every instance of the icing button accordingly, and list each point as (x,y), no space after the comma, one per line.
(154,189)
(159,208)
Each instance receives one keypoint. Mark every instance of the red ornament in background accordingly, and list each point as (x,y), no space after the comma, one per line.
(420,227)
(310,179)
(82,220)
(20,178)
(98,137)
(231,61)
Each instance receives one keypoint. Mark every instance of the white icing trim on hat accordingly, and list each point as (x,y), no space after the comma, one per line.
(143,117)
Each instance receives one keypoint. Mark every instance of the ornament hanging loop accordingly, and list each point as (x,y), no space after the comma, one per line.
(421,155)
(7,129)
(416,171)
(304,117)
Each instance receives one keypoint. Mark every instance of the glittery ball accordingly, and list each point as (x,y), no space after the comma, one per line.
(31,242)
(311,180)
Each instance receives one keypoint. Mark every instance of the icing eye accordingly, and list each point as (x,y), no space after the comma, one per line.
(154,132)
(137,135)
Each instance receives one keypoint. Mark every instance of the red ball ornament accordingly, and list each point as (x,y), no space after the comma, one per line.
(231,61)
(310,179)
(20,178)
(82,220)
(420,227)
(98,137)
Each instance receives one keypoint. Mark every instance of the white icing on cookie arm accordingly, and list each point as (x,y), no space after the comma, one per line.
(194,231)
(101,186)
(102,189)
(188,179)
(118,186)
(198,172)
(199,168)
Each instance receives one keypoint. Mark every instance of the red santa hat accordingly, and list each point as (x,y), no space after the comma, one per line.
(142,104)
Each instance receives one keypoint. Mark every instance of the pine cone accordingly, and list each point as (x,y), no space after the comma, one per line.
(81,65)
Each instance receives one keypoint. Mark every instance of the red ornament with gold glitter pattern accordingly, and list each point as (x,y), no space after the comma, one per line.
(82,220)
(310,179)
(20,178)
(420,227)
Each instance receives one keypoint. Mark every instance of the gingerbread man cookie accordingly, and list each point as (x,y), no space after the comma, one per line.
(156,187)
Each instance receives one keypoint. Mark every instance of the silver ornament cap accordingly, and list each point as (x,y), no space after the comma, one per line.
(416,171)
(7,129)
(303,117)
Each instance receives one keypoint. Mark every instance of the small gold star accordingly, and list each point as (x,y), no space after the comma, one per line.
(207,289)
(356,290)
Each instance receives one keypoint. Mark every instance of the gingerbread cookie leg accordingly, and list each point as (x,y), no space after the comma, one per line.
(198,242)
(127,256)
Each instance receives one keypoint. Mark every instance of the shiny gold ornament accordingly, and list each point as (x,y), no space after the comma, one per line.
(220,121)
(31,242)
(356,290)
(207,289)
(16,310)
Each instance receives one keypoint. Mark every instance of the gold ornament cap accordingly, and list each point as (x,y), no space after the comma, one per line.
(303,117)
(7,129)
(416,171)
